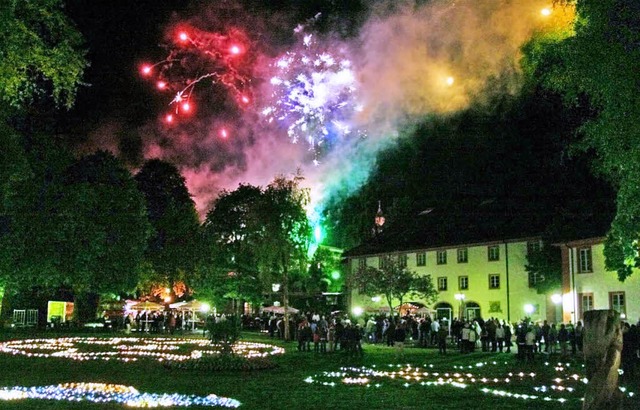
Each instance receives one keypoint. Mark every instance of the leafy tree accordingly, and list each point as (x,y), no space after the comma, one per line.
(598,67)
(104,231)
(40,53)
(545,264)
(285,234)
(172,247)
(228,266)
(394,281)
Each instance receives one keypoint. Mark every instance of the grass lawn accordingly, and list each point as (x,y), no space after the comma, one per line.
(303,380)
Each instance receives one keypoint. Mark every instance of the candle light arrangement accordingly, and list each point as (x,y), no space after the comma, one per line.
(112,393)
(558,382)
(131,349)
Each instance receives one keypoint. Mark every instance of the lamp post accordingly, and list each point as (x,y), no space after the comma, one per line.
(275,287)
(460,298)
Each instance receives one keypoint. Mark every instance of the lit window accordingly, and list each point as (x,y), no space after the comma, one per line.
(463,282)
(493,253)
(421,259)
(463,255)
(442,283)
(442,257)
(617,302)
(584,260)
(494,281)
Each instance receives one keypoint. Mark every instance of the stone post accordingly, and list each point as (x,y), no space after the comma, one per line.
(602,353)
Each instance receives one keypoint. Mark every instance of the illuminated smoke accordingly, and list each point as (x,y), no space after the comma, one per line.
(407,62)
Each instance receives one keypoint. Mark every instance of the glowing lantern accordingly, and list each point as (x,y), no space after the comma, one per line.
(450,81)
(186,107)
(235,50)
(161,85)
(223,133)
(545,11)
(183,37)
(146,69)
(168,118)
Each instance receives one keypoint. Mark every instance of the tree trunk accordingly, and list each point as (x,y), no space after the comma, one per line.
(285,302)
(602,353)
(86,306)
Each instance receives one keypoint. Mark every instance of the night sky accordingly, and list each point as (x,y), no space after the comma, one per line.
(406,61)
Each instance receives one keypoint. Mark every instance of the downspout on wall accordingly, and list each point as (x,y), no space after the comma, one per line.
(506,262)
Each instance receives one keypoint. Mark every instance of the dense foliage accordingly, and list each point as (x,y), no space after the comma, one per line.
(598,67)
(394,281)
(40,53)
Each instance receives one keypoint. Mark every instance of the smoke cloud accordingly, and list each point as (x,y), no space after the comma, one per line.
(409,61)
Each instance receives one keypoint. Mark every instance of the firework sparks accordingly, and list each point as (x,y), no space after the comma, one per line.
(199,57)
(313,94)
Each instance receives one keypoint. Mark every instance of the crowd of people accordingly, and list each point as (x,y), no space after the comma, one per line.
(527,339)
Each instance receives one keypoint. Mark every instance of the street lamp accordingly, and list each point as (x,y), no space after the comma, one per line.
(460,298)
(529,309)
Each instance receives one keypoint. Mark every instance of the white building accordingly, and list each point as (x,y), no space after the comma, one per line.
(587,285)
(489,279)
(482,279)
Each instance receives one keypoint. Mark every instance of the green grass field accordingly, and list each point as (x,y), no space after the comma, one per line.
(309,380)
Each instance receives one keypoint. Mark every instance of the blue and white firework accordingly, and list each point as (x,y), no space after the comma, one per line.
(314,94)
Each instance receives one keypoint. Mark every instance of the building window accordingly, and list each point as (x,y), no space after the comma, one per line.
(463,282)
(462,255)
(533,246)
(494,281)
(362,263)
(584,260)
(383,262)
(493,253)
(442,283)
(442,257)
(586,303)
(617,302)
(402,260)
(535,278)
(421,259)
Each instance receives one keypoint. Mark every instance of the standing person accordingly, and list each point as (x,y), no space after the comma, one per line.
(563,338)
(507,336)
(545,335)
(127,324)
(435,328)
(331,337)
(391,333)
(500,337)
(464,338)
(530,343)
(578,332)
(553,339)
(442,340)
(399,339)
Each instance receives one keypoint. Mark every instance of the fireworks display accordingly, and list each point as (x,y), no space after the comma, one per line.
(247,105)
(314,94)
(200,57)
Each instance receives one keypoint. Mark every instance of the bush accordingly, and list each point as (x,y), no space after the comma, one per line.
(224,331)
(222,363)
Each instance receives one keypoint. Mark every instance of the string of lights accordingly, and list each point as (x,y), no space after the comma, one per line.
(112,393)
(130,349)
(559,382)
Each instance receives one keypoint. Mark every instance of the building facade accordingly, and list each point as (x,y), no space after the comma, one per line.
(486,279)
(587,285)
